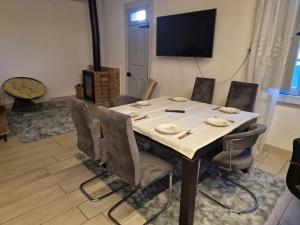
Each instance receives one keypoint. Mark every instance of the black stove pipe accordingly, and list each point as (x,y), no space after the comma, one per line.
(95,35)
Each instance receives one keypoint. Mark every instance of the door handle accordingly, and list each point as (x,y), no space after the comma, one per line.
(128,74)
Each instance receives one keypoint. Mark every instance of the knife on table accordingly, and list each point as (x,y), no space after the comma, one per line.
(175,110)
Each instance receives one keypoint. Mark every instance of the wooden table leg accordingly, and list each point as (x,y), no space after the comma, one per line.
(190,170)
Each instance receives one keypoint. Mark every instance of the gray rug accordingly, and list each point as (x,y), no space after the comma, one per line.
(52,118)
(267,187)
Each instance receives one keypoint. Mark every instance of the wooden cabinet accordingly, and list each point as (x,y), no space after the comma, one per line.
(4,130)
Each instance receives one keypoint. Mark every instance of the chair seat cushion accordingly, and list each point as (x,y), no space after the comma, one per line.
(153,168)
(241,159)
(25,88)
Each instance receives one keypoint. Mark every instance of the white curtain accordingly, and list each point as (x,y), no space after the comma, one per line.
(273,31)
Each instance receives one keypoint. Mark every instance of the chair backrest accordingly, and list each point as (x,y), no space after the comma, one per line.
(87,139)
(203,90)
(293,175)
(245,139)
(123,157)
(242,95)
(149,88)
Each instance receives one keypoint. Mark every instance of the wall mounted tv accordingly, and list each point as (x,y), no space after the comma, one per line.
(188,34)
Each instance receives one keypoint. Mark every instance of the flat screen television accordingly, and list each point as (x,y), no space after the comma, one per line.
(188,34)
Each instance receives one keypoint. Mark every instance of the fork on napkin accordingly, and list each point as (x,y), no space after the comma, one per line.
(141,118)
(185,134)
(136,106)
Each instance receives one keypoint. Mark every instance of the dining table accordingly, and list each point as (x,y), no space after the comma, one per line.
(195,141)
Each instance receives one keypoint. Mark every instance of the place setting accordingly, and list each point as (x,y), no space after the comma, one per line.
(218,122)
(140,104)
(168,129)
(136,116)
(172,129)
(228,110)
(178,99)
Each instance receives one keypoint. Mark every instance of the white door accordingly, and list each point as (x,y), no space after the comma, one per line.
(137,49)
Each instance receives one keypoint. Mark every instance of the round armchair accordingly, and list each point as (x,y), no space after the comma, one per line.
(24,90)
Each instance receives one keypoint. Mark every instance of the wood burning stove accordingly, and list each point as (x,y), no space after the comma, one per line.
(101,84)
(89,85)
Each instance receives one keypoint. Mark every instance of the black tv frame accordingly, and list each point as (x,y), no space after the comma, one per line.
(213,21)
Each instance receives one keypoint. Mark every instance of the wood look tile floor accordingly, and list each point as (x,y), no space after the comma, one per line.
(39,184)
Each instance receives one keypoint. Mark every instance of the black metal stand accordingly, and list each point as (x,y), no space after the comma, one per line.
(24,105)
(134,191)
(249,210)
(90,198)
(4,137)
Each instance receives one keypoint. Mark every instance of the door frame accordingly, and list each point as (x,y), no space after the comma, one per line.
(132,5)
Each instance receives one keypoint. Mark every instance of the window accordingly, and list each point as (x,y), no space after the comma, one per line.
(296,73)
(138,16)
(293,64)
(293,67)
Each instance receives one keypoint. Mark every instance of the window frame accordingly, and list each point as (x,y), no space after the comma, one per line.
(292,59)
(138,22)
(136,12)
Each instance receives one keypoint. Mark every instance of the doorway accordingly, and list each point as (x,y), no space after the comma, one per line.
(137,46)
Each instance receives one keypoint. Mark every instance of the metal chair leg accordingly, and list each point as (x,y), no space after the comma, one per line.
(131,193)
(90,198)
(250,210)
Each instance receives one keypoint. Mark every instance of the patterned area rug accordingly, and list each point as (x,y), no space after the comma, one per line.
(267,187)
(52,118)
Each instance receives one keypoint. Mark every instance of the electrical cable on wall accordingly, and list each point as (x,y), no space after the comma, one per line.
(234,74)
(201,74)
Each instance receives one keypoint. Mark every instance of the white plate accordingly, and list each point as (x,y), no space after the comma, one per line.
(229,110)
(179,99)
(132,114)
(217,122)
(168,128)
(142,103)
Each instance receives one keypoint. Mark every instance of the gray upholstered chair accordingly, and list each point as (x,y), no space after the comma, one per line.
(203,90)
(137,168)
(242,95)
(88,140)
(237,155)
(126,99)
(293,175)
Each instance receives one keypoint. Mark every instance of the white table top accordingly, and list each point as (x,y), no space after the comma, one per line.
(193,119)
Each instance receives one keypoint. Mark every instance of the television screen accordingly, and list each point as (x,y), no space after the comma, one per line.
(188,34)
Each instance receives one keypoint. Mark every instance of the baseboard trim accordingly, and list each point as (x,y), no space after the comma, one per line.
(277,150)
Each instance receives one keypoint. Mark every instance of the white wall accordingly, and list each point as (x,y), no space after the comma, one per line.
(176,75)
(285,126)
(112,17)
(48,40)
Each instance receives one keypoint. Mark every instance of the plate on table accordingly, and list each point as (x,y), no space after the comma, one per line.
(168,128)
(132,114)
(179,99)
(143,103)
(217,122)
(229,110)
